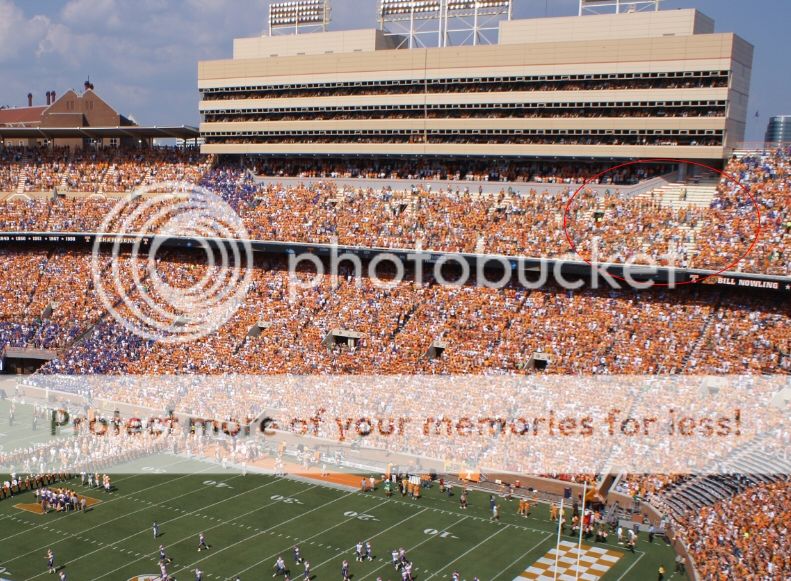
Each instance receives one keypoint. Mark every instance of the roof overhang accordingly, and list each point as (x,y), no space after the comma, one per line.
(175,132)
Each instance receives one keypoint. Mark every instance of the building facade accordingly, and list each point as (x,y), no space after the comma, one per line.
(635,85)
(72,110)
(779,129)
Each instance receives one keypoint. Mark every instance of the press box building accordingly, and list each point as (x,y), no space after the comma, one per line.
(611,86)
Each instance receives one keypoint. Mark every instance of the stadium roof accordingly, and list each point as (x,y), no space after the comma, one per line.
(178,132)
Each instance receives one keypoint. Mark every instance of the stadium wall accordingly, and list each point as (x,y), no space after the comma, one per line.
(575,269)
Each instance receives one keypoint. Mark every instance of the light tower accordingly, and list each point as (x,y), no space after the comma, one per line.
(421,23)
(298,16)
(617,6)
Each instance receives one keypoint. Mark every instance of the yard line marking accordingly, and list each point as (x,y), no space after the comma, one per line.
(105,503)
(468,551)
(342,551)
(11,517)
(112,545)
(96,526)
(459,512)
(73,535)
(637,560)
(310,542)
(523,555)
(453,524)
(269,529)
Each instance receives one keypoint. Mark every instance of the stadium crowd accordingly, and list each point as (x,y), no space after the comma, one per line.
(732,220)
(453,219)
(47,300)
(481,85)
(743,537)
(467,136)
(89,170)
(506,111)
(484,330)
(451,170)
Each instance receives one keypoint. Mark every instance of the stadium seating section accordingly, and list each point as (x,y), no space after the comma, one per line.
(48,301)
(628,227)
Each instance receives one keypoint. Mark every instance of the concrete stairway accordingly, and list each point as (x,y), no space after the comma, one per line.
(21,184)
(108,179)
(64,181)
(679,195)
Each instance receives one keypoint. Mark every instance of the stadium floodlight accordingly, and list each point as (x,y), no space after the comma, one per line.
(473,4)
(405,7)
(617,6)
(299,14)
(446,20)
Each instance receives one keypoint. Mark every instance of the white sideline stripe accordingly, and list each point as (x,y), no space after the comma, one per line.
(102,523)
(468,551)
(523,555)
(412,548)
(308,540)
(637,560)
(342,551)
(459,512)
(110,545)
(122,479)
(187,567)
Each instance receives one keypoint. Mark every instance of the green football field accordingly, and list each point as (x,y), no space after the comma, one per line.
(250,520)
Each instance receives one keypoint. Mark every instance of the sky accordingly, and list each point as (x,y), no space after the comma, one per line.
(142,54)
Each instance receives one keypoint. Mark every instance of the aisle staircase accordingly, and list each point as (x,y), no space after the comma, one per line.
(679,195)
(24,163)
(691,355)
(21,184)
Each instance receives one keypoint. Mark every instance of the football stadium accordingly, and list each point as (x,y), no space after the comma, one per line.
(434,289)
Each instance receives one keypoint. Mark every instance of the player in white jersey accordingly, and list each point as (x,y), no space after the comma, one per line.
(202,542)
(358,551)
(406,573)
(50,561)
(163,570)
(280,567)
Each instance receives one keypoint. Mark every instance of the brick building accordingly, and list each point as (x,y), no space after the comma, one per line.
(72,110)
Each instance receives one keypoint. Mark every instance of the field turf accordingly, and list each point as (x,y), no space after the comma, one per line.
(250,520)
